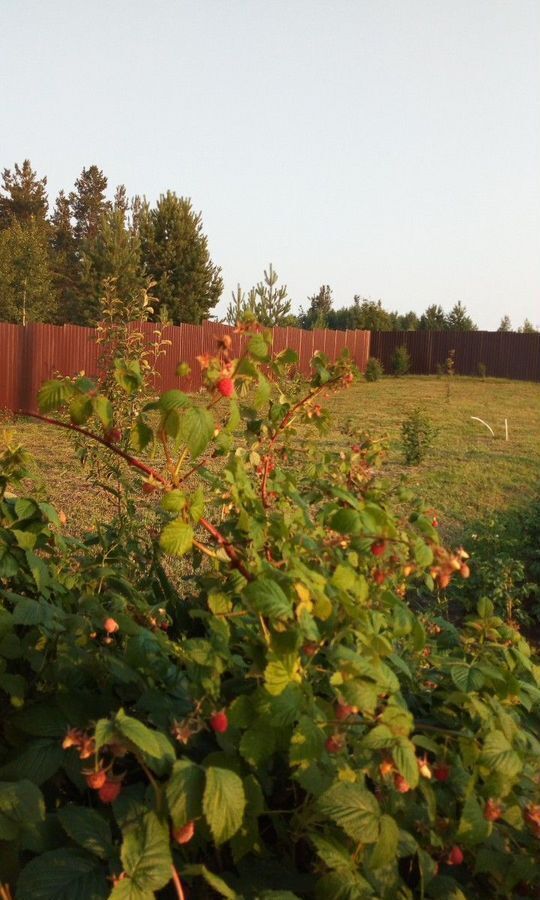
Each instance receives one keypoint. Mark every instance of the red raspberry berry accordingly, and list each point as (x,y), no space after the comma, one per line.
(110,791)
(184,834)
(441,771)
(343,711)
(96,780)
(219,722)
(379,577)
(111,625)
(401,784)
(114,435)
(225,387)
(310,649)
(378,548)
(492,810)
(455,857)
(334,743)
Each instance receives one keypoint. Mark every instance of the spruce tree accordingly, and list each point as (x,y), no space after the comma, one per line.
(459,320)
(175,255)
(25,196)
(505,324)
(320,306)
(433,319)
(65,262)
(88,202)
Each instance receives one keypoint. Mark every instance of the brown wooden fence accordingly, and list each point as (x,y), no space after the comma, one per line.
(31,354)
(504,354)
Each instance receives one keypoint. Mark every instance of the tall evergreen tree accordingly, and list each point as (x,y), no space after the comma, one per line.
(319,309)
(175,255)
(24,197)
(241,303)
(26,281)
(505,324)
(433,319)
(88,202)
(65,262)
(459,320)
(527,328)
(114,253)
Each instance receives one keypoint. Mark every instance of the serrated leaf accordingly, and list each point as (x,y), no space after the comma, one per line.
(406,762)
(215,882)
(103,410)
(196,429)
(173,399)
(473,827)
(258,742)
(63,875)
(267,598)
(80,409)
(25,508)
(38,761)
(87,828)
(499,755)
(259,347)
(146,854)
(138,734)
(307,742)
(184,792)
(467,678)
(343,885)
(176,538)
(141,435)
(384,851)
(281,672)
(53,394)
(334,853)
(346,521)
(21,804)
(354,809)
(173,501)
(223,803)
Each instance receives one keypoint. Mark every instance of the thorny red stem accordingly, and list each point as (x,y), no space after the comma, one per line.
(178,884)
(148,470)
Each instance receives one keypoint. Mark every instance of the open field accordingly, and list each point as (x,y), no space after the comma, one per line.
(468,476)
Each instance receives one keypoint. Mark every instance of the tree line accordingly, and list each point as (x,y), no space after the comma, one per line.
(55,264)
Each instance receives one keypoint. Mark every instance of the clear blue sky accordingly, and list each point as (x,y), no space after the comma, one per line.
(390,148)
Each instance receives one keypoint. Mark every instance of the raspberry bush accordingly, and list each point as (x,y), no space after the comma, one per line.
(269,717)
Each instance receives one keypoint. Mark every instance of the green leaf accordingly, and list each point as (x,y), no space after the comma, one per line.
(405,759)
(128,375)
(259,347)
(88,829)
(196,505)
(467,678)
(499,755)
(21,804)
(173,501)
(423,554)
(307,742)
(354,809)
(80,409)
(334,853)
(138,734)
(146,854)
(343,885)
(267,598)
(104,411)
(215,882)
(53,394)
(280,672)
(64,874)
(473,827)
(184,792)
(196,429)
(25,508)
(173,399)
(176,538)
(384,851)
(224,803)
(38,761)
(141,435)
(258,742)
(346,521)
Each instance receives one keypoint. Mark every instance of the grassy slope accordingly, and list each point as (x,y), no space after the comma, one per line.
(468,475)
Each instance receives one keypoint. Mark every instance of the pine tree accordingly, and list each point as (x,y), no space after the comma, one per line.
(241,303)
(26,280)
(88,202)
(25,196)
(433,319)
(176,257)
(114,253)
(320,307)
(505,324)
(65,262)
(459,320)
(527,328)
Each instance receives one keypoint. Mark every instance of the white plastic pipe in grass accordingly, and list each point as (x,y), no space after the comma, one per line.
(478,419)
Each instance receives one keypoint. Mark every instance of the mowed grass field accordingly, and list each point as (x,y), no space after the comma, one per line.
(468,477)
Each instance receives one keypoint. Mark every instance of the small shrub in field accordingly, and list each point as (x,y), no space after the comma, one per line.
(450,363)
(286,727)
(401,361)
(417,436)
(374,369)
(482,370)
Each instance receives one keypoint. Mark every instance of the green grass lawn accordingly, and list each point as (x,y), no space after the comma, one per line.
(468,475)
